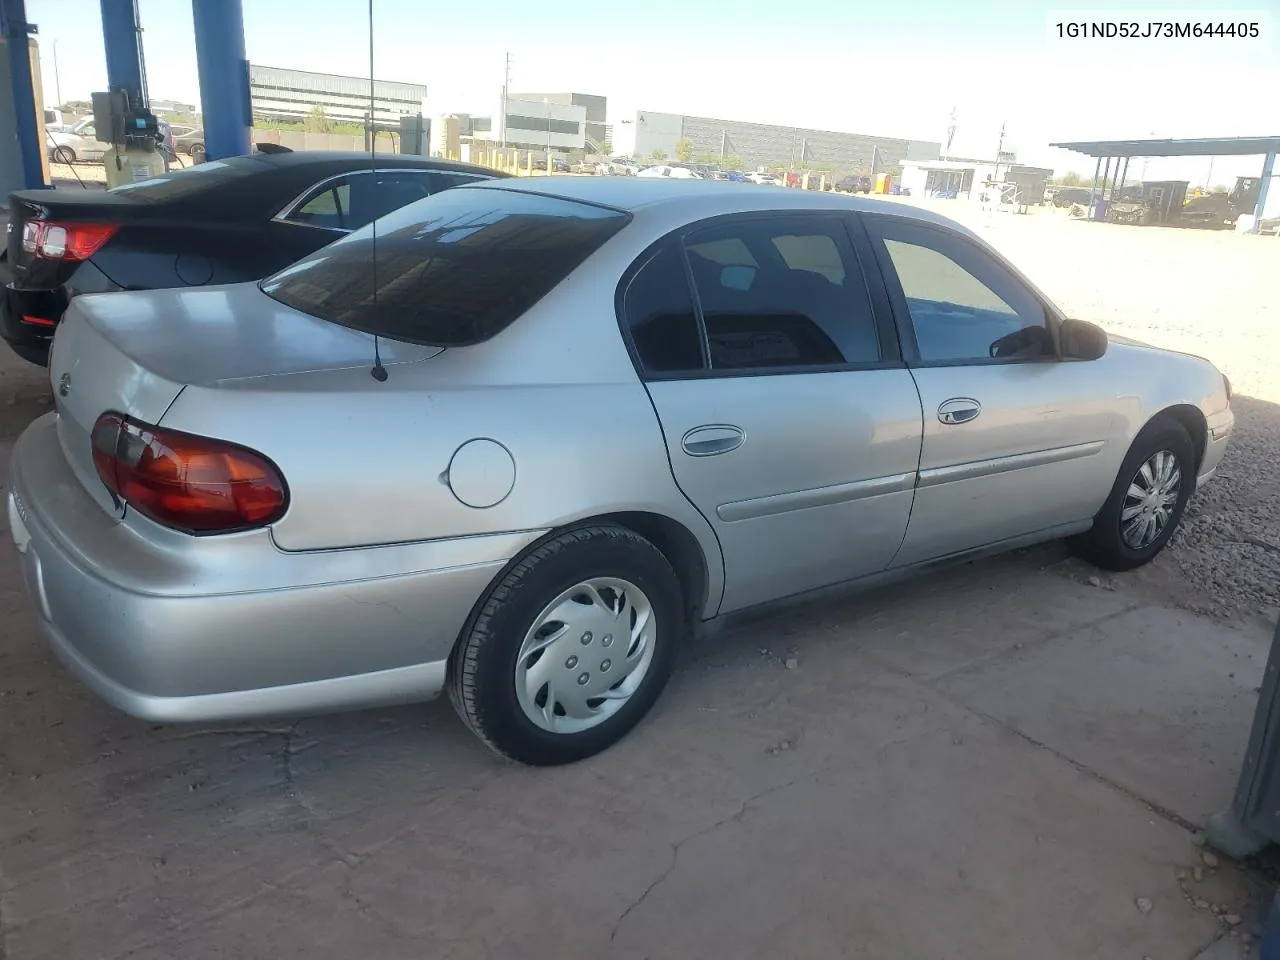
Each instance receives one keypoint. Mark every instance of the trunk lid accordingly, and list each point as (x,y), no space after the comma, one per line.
(135,352)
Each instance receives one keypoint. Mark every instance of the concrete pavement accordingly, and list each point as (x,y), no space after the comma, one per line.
(997,761)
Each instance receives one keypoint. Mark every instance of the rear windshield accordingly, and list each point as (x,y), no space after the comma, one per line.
(452,270)
(178,184)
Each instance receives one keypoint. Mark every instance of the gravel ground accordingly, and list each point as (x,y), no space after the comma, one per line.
(1211,293)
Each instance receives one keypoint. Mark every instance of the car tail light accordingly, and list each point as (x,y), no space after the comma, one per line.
(51,240)
(194,484)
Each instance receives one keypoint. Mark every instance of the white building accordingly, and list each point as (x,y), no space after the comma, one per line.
(532,125)
(967,179)
(294,94)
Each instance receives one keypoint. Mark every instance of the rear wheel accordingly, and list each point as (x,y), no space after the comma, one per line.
(571,648)
(197,152)
(64,155)
(1146,504)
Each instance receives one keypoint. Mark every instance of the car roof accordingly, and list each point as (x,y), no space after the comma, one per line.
(699,199)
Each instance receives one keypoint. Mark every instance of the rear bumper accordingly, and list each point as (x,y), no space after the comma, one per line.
(29,316)
(173,628)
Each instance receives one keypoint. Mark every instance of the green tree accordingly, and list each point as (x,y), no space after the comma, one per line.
(318,121)
(658,156)
(1071,179)
(733,162)
(684,150)
(606,147)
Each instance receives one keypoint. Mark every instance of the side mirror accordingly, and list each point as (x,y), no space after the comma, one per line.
(1082,340)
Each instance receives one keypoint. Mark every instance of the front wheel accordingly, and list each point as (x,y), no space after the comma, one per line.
(196,152)
(1146,504)
(571,647)
(64,155)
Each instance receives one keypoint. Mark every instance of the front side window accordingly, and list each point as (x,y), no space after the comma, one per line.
(782,292)
(452,270)
(963,306)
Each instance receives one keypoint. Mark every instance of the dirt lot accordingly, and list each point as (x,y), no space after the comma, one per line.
(1001,761)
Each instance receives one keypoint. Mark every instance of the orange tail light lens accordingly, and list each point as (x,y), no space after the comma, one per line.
(190,483)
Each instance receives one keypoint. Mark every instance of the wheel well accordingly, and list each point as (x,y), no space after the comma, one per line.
(671,537)
(679,546)
(1192,420)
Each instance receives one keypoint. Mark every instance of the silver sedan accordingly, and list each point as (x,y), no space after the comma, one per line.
(534,434)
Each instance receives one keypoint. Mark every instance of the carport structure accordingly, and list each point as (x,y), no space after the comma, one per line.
(1125,150)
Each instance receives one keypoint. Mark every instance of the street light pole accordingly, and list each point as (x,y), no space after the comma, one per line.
(547,103)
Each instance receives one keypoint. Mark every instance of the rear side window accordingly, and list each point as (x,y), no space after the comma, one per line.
(452,270)
(659,311)
(784,292)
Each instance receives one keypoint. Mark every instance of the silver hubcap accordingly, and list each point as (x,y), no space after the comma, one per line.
(585,655)
(1150,499)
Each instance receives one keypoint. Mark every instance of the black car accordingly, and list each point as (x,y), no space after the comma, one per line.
(225,221)
(854,184)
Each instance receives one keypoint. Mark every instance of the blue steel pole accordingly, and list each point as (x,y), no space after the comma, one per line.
(13,21)
(224,77)
(122,44)
(1268,170)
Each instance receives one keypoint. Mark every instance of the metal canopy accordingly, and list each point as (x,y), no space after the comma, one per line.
(1203,147)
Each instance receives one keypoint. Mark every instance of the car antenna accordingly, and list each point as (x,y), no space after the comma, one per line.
(379,372)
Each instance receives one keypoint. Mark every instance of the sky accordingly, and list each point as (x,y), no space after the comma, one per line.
(894,70)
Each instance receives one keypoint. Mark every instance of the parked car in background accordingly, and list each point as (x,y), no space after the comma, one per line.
(77,143)
(854,184)
(671,170)
(764,178)
(53,120)
(619,167)
(190,141)
(165,142)
(346,485)
(1068,196)
(587,167)
(219,222)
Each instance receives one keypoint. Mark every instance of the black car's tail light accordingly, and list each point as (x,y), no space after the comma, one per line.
(55,240)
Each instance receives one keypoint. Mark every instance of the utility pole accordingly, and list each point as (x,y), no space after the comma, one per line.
(57,81)
(951,134)
(506,89)
(999,151)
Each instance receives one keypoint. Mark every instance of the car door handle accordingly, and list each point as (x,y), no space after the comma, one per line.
(712,439)
(959,410)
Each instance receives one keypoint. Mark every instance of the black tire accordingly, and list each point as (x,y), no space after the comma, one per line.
(196,152)
(1103,545)
(64,155)
(482,667)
